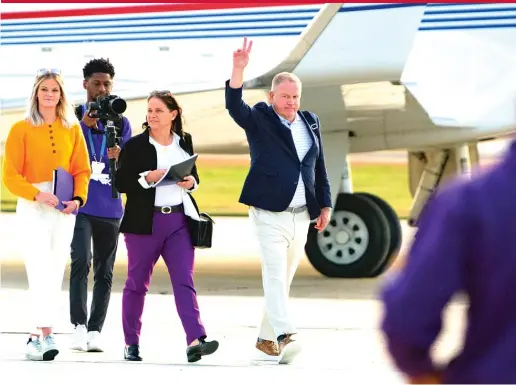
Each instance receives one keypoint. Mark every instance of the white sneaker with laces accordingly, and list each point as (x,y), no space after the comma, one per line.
(94,342)
(49,348)
(80,339)
(33,349)
(289,349)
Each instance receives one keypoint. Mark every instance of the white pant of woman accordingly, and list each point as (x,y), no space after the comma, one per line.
(45,238)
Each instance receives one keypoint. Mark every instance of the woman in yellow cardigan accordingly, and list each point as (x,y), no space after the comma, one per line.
(50,137)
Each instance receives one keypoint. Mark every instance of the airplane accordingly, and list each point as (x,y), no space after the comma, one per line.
(432,79)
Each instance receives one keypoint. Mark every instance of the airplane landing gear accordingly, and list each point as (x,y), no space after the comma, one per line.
(361,240)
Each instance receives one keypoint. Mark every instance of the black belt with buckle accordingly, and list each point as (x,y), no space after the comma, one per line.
(169,209)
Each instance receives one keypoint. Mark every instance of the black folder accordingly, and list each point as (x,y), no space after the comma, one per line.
(177,172)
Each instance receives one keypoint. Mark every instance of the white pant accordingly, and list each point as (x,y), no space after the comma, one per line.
(282,238)
(45,235)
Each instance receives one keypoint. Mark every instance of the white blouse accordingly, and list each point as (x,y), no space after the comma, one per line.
(170,195)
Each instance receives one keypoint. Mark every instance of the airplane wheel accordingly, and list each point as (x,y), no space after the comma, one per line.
(395,231)
(355,242)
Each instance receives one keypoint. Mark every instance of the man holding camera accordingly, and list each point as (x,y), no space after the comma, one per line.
(99,218)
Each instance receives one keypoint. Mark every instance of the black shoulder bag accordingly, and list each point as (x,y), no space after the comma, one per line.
(201,231)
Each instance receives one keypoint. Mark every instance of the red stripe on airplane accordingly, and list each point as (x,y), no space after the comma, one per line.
(132,9)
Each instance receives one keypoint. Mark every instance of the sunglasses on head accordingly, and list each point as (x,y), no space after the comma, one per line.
(161,93)
(48,71)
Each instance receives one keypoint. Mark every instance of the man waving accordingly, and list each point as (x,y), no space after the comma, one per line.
(286,187)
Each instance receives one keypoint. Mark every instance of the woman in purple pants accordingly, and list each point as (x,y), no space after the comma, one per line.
(155,223)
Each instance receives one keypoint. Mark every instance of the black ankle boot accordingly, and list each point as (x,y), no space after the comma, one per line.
(204,348)
(132,353)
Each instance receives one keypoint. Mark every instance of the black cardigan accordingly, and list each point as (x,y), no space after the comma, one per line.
(139,155)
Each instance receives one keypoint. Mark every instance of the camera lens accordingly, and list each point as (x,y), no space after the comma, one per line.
(118,105)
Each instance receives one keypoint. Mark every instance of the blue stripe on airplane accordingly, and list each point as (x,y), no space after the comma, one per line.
(463,19)
(72,38)
(470,10)
(156,31)
(160,24)
(249,34)
(128,17)
(466,27)
(437,24)
(237,35)
(436,5)
(489,7)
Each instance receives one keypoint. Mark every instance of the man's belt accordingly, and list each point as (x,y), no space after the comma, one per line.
(296,210)
(169,209)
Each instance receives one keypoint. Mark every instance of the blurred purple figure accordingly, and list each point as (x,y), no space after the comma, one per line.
(466,243)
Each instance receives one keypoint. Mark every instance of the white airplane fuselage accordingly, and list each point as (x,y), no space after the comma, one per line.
(421,77)
(457,61)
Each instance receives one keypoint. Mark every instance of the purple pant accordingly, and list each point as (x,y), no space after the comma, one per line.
(171,240)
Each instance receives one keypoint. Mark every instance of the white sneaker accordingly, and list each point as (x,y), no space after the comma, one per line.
(33,350)
(80,339)
(289,349)
(94,342)
(49,348)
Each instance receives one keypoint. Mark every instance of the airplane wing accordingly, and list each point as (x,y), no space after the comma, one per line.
(351,43)
(305,42)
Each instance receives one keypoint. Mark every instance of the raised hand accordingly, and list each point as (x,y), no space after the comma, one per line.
(241,55)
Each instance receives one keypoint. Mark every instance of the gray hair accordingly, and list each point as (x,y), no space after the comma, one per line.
(64,110)
(284,77)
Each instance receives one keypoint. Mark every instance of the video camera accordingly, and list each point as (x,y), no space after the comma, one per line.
(108,109)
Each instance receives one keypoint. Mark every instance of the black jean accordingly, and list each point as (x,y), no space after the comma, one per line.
(104,232)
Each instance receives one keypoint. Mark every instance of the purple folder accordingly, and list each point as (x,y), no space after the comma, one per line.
(63,187)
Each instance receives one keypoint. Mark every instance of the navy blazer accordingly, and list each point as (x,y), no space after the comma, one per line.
(275,165)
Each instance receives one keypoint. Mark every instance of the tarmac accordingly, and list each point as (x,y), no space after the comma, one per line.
(338,323)
(340,337)
(234,253)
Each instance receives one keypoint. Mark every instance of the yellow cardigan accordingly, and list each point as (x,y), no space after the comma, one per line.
(33,152)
